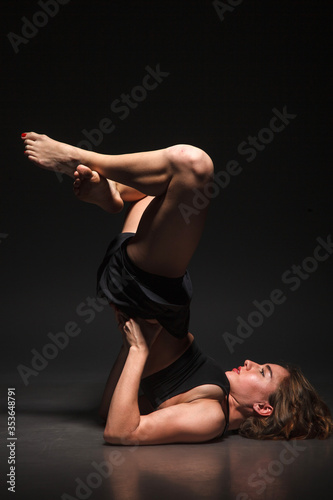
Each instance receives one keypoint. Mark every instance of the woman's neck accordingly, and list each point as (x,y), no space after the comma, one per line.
(237,413)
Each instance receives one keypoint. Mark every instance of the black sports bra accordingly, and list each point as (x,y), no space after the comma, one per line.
(192,369)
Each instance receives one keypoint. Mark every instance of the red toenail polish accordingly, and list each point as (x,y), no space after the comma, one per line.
(23,135)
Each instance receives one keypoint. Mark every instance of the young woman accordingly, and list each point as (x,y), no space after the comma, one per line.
(185,396)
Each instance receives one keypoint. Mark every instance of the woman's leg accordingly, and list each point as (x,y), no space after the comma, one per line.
(91,187)
(134,214)
(164,242)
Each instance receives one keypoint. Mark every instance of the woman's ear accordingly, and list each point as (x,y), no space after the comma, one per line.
(263,409)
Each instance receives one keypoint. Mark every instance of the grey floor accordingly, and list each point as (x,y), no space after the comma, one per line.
(61,455)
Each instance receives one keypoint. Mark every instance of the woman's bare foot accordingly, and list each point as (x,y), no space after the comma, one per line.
(50,154)
(91,187)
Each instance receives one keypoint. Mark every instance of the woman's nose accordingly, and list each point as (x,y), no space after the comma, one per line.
(250,364)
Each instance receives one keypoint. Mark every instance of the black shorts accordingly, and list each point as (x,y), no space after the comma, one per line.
(141,294)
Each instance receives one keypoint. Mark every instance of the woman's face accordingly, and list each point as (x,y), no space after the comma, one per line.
(253,383)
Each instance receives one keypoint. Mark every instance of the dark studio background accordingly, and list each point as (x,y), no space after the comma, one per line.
(225,77)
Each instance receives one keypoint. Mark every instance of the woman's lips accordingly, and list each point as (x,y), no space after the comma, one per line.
(236,370)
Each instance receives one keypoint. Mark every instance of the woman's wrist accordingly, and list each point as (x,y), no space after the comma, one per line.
(139,350)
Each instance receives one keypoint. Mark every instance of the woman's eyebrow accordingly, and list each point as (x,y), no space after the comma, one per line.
(270,370)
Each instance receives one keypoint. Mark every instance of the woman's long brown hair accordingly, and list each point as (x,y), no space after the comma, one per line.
(299,412)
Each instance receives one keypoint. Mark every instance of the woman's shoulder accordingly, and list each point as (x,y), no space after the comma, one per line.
(213,414)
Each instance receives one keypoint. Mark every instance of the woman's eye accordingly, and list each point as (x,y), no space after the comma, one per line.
(262,372)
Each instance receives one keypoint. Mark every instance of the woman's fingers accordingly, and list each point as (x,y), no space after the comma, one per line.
(121,318)
(134,334)
(139,332)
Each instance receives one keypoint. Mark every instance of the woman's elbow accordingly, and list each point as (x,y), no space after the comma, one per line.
(111,437)
(124,439)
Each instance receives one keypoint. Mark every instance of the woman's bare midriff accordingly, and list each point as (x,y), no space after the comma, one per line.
(165,351)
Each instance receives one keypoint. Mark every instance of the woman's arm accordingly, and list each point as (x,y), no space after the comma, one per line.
(112,381)
(195,422)
(124,413)
(198,421)
(116,369)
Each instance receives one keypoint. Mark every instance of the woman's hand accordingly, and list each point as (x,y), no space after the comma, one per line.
(141,333)
(121,319)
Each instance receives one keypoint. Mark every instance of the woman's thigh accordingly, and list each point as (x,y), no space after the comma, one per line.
(134,214)
(165,240)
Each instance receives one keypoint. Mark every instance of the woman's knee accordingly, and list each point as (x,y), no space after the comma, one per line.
(191,163)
